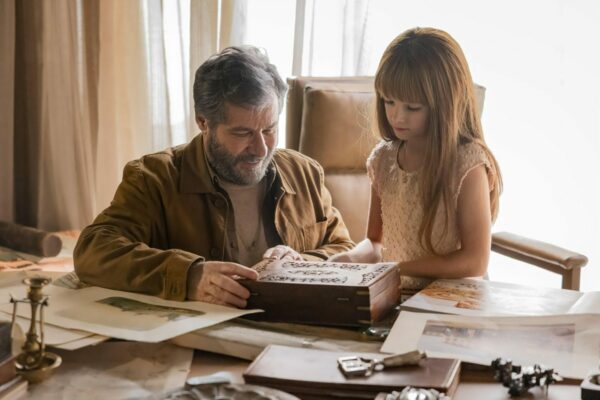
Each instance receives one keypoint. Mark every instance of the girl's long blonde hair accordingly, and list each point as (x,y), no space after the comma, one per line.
(427,66)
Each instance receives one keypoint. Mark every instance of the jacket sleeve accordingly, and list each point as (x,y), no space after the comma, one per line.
(336,237)
(115,252)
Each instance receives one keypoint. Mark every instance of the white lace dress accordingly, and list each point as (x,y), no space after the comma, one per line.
(402,211)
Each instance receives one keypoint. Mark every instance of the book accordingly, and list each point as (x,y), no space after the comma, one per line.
(7,369)
(323,293)
(7,360)
(309,373)
(479,297)
(5,340)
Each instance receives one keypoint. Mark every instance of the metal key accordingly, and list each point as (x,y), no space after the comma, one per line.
(362,366)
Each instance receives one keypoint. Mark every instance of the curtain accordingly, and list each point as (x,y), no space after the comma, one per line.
(48,116)
(124,106)
(204,40)
(345,25)
(214,25)
(89,85)
(65,136)
(7,69)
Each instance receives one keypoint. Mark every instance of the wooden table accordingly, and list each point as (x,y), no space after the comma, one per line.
(474,385)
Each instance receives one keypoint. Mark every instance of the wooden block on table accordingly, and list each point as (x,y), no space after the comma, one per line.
(309,373)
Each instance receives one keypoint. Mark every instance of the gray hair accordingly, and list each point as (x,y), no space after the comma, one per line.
(241,75)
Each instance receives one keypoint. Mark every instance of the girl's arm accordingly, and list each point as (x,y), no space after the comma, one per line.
(369,249)
(474,226)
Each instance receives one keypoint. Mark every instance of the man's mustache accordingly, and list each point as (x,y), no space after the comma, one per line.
(249,158)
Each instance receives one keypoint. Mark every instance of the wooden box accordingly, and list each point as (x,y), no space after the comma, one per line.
(324,293)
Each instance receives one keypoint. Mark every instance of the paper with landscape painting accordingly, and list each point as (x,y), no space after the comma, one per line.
(482,297)
(567,343)
(128,316)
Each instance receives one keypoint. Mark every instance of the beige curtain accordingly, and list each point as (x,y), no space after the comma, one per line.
(146,103)
(214,25)
(345,24)
(87,85)
(124,106)
(66,174)
(7,69)
(204,40)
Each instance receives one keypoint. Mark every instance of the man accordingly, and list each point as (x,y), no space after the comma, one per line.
(188,221)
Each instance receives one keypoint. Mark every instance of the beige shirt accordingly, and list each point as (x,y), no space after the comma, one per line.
(401,208)
(250,242)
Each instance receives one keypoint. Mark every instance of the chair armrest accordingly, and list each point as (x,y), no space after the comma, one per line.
(544,255)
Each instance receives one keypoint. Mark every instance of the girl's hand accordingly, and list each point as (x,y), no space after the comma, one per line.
(341,257)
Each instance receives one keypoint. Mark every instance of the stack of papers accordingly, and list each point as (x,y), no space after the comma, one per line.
(78,316)
(554,327)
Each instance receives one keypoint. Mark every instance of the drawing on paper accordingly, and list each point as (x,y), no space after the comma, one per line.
(139,308)
(478,339)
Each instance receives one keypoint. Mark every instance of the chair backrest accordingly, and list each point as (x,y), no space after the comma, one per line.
(330,120)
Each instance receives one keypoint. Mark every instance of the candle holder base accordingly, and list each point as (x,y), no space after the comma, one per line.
(48,364)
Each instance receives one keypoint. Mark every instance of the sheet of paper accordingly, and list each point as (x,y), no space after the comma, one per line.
(90,340)
(11,284)
(129,316)
(483,297)
(589,302)
(54,335)
(320,272)
(116,370)
(246,339)
(568,343)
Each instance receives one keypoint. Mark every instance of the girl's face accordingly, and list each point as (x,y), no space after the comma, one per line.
(408,120)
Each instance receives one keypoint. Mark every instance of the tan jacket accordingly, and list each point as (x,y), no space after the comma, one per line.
(167,214)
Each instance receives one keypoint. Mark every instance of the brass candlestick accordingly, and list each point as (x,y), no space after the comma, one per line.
(34,363)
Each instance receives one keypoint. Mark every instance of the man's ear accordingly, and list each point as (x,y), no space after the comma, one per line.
(202,123)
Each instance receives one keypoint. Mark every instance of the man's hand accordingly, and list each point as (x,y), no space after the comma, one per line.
(215,282)
(281,252)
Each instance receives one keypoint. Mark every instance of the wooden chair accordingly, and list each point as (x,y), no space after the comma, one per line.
(328,120)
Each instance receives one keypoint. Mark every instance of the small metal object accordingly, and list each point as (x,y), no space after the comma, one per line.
(376,333)
(519,379)
(411,393)
(204,380)
(362,366)
(398,360)
(354,366)
(34,363)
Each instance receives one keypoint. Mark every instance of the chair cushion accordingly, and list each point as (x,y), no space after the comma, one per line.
(337,124)
(350,193)
(336,127)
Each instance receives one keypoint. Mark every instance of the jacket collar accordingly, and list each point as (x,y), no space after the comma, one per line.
(195,173)
(198,177)
(285,184)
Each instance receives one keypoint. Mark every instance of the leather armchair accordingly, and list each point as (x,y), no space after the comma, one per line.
(329,120)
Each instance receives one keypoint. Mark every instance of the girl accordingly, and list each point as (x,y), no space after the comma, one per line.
(434,182)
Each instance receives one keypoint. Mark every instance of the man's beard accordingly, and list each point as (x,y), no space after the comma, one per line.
(225,164)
